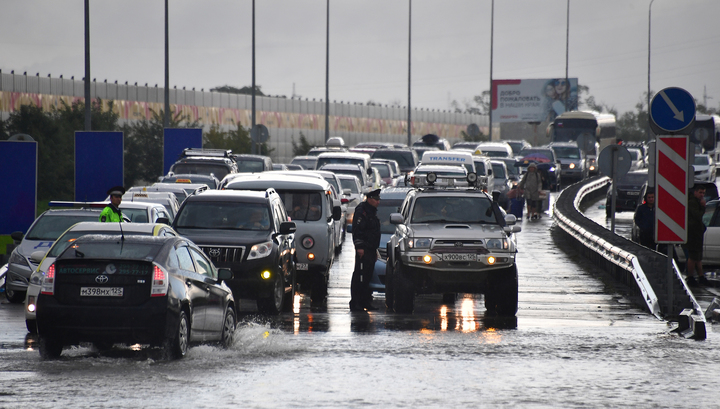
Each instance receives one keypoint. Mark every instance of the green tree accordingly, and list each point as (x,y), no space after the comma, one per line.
(303,147)
(144,147)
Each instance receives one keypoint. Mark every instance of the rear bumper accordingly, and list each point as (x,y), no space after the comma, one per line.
(148,323)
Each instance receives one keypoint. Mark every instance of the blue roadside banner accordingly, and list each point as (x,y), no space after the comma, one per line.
(98,164)
(175,140)
(18,162)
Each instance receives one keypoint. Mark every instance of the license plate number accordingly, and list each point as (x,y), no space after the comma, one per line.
(459,257)
(101,291)
(301,266)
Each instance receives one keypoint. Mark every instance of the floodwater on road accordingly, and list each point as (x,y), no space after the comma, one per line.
(577,342)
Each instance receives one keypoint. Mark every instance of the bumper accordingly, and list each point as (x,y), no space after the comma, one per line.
(144,324)
(17,277)
(248,281)
(454,276)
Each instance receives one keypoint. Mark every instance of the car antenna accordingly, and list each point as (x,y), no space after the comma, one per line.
(122,234)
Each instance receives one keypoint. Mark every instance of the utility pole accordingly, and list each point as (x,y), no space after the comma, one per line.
(88,100)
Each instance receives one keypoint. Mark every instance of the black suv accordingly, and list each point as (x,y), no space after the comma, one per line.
(217,162)
(406,158)
(631,190)
(249,233)
(252,163)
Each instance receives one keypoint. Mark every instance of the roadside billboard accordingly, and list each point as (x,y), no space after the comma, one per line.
(533,100)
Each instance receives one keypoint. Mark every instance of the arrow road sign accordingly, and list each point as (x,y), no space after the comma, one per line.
(672,110)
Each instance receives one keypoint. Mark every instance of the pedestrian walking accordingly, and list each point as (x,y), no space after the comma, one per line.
(366,238)
(111,212)
(645,220)
(531,184)
(695,233)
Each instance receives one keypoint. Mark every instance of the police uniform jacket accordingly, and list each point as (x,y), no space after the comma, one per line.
(366,227)
(111,214)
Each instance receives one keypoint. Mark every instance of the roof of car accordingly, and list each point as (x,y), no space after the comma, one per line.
(127,228)
(71,212)
(229,196)
(340,166)
(564,144)
(394,192)
(109,238)
(440,168)
(278,181)
(344,154)
(247,156)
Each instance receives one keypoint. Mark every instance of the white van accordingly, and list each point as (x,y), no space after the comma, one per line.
(464,159)
(495,149)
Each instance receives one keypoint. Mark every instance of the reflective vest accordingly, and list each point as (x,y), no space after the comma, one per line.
(111,214)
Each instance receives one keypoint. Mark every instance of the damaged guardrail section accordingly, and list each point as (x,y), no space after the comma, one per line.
(634,265)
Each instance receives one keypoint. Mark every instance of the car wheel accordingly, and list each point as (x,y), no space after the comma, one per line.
(501,295)
(449,298)
(15,297)
(228,330)
(404,290)
(177,346)
(50,348)
(31,326)
(274,303)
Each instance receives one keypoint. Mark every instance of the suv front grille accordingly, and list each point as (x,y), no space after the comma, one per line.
(224,254)
(458,243)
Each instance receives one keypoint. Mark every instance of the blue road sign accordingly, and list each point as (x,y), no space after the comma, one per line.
(98,164)
(672,110)
(18,162)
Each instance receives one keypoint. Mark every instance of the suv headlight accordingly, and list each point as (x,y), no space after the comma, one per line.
(36,278)
(419,243)
(260,250)
(16,258)
(497,244)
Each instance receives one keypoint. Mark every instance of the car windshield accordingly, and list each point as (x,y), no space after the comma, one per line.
(453,209)
(135,215)
(50,227)
(305,163)
(302,205)
(331,180)
(480,167)
(350,184)
(356,173)
(494,154)
(499,171)
(69,237)
(701,160)
(516,146)
(384,209)
(511,168)
(635,154)
(634,178)
(224,215)
(111,247)
(404,158)
(248,166)
(537,155)
(340,160)
(201,168)
(383,169)
(567,152)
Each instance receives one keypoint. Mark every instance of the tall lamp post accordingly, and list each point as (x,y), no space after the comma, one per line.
(648,89)
(166,117)
(409,113)
(492,31)
(327,72)
(567,50)
(88,102)
(252,128)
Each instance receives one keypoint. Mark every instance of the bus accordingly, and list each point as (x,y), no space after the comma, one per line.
(707,132)
(567,126)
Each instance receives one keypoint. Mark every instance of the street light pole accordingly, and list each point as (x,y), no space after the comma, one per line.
(567,51)
(88,102)
(492,32)
(252,128)
(409,114)
(166,117)
(648,89)
(327,71)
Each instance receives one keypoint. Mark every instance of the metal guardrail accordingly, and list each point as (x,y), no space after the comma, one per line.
(614,254)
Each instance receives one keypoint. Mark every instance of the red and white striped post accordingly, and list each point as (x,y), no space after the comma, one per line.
(671,193)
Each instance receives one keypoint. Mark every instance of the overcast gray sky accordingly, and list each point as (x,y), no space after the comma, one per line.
(210,45)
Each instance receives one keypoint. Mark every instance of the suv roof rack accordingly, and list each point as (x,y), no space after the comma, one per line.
(194,152)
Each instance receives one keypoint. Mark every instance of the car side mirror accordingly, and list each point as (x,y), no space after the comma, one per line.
(288,227)
(225,274)
(163,220)
(37,256)
(489,172)
(512,229)
(17,235)
(396,218)
(347,192)
(510,219)
(337,213)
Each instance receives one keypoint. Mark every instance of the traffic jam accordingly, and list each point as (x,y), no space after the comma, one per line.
(176,263)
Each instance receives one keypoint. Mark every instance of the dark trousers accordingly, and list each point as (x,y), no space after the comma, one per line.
(360,284)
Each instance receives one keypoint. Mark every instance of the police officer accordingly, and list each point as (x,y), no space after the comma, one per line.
(366,238)
(111,212)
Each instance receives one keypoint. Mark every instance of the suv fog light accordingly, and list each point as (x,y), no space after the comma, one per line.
(265,275)
(427,259)
(311,256)
(491,260)
(31,304)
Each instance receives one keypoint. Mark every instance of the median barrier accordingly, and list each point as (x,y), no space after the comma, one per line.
(641,269)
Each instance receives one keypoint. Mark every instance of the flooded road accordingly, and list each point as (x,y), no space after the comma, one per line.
(577,342)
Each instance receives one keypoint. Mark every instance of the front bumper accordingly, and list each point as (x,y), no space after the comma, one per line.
(17,277)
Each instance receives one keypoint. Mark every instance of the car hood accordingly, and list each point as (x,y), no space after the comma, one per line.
(701,168)
(203,237)
(27,247)
(458,231)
